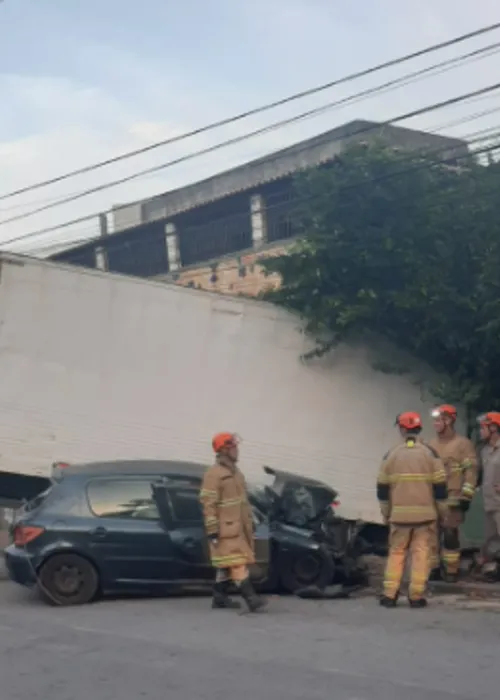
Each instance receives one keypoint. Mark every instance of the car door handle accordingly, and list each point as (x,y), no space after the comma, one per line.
(98,532)
(189,542)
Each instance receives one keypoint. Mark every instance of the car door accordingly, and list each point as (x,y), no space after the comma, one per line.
(187,533)
(128,536)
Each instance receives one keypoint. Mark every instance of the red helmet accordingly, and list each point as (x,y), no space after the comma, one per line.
(409,420)
(445,409)
(491,418)
(223,440)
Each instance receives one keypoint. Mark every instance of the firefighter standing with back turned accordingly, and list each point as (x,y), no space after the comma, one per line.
(412,492)
(229,525)
(460,462)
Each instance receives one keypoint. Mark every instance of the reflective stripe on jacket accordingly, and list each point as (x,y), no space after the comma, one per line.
(227,514)
(460,462)
(411,485)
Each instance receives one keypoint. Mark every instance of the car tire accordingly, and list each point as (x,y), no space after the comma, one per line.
(307,569)
(68,579)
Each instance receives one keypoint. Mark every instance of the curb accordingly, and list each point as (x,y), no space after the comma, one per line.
(465,589)
(469,589)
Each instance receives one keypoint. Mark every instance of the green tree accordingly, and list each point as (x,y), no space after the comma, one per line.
(402,246)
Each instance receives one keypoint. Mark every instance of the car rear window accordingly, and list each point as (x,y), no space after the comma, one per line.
(36,502)
(29,507)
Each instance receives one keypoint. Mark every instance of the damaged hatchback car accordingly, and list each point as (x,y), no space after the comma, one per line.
(311,546)
(137,526)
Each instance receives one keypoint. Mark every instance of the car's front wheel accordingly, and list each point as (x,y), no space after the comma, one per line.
(307,569)
(68,579)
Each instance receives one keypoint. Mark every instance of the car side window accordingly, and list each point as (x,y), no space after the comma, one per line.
(130,499)
(186,507)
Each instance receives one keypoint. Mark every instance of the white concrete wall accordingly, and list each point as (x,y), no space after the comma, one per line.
(97,366)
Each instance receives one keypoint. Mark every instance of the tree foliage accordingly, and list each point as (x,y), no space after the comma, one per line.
(405,247)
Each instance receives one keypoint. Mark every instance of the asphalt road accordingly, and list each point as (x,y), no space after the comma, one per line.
(179,649)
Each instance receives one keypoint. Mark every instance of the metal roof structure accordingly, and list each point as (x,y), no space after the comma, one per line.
(279,164)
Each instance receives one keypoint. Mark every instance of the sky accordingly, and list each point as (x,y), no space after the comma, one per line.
(84,81)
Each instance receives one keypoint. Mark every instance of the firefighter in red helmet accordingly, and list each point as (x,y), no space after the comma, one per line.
(460,462)
(489,425)
(411,489)
(229,525)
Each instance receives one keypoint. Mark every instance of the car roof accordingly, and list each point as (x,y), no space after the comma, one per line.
(137,467)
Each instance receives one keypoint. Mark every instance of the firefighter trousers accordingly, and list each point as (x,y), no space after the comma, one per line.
(236,574)
(417,543)
(491,547)
(450,552)
(447,550)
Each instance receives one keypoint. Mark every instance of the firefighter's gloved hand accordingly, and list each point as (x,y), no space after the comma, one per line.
(464,505)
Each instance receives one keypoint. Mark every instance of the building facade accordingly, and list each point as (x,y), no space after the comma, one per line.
(212,234)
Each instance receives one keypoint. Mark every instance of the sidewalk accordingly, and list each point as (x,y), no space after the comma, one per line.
(467,588)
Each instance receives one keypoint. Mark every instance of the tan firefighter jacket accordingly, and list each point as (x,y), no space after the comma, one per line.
(460,462)
(411,485)
(227,514)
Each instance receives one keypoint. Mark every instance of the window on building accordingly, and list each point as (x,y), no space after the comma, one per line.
(186,505)
(122,498)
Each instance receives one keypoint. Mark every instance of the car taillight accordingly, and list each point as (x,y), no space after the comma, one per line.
(23,534)
(334,504)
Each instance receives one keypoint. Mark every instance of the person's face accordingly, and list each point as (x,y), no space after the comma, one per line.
(439,425)
(442,423)
(233,452)
(484,432)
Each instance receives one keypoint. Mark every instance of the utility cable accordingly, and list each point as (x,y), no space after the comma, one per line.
(364,130)
(409,158)
(259,110)
(472,137)
(269,128)
(283,241)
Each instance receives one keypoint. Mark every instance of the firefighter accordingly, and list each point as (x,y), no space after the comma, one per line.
(229,525)
(490,460)
(411,489)
(460,462)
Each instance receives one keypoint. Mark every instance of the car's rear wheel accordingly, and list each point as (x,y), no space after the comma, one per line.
(68,579)
(305,569)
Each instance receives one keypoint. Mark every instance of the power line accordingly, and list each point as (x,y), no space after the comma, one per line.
(358,132)
(472,137)
(409,157)
(352,186)
(259,110)
(469,118)
(391,84)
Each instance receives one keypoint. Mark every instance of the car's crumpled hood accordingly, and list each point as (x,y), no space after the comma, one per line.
(283,478)
(292,498)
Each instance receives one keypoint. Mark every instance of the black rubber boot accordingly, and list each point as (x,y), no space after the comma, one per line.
(418,603)
(436,574)
(254,602)
(387,602)
(221,599)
